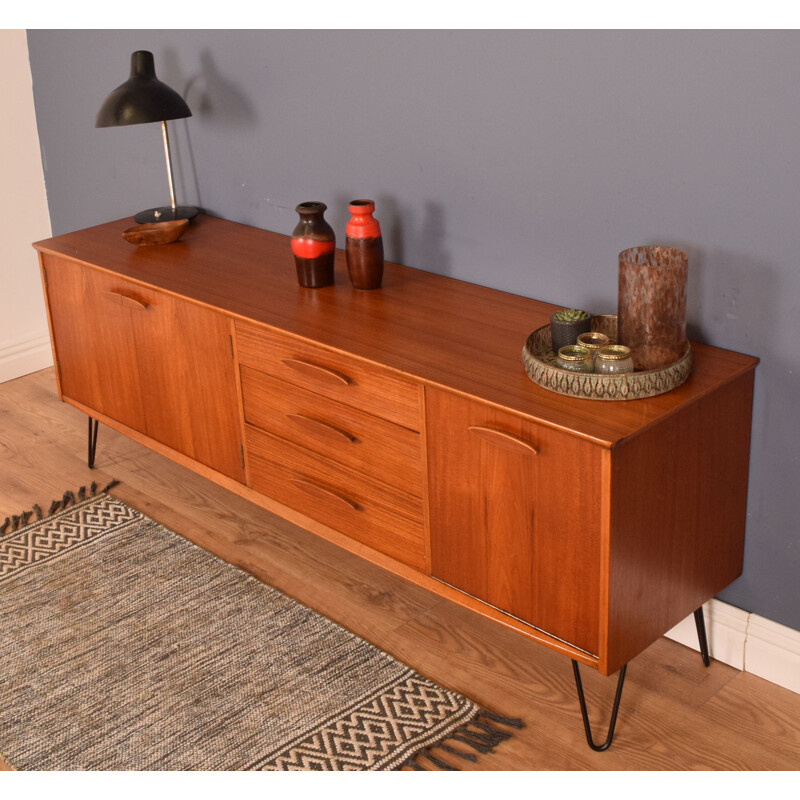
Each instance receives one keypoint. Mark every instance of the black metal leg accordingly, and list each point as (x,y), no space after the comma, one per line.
(700,621)
(585,715)
(92,441)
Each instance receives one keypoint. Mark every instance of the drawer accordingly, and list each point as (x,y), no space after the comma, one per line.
(326,372)
(377,515)
(385,451)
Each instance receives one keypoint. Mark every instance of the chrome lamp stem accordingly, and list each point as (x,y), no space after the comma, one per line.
(167,156)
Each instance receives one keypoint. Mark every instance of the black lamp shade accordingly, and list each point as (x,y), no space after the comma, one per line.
(142,98)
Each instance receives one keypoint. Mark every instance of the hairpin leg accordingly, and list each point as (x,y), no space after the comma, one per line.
(92,441)
(585,715)
(700,622)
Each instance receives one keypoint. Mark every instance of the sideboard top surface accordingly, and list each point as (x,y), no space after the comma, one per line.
(442,331)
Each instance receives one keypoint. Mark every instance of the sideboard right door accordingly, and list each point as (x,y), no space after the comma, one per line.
(515,515)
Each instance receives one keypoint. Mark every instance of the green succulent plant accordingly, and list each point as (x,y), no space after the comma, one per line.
(570,315)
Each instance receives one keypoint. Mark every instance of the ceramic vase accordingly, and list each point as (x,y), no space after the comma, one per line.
(364,246)
(652,305)
(313,246)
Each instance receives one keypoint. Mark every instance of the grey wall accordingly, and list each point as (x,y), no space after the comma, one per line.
(521,160)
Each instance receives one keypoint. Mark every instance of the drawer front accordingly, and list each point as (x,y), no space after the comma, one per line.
(331,374)
(374,514)
(387,452)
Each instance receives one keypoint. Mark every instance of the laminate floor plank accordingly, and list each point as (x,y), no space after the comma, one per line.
(675,714)
(768,715)
(678,672)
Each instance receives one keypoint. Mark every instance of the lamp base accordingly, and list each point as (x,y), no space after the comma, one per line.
(166,213)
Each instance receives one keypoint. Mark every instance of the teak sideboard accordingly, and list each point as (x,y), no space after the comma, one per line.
(399,423)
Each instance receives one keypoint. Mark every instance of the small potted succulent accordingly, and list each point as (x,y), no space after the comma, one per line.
(566,325)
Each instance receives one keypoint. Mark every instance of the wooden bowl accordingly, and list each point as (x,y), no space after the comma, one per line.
(156,232)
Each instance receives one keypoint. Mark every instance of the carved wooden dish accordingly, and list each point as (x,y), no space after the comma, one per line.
(156,232)
(540,366)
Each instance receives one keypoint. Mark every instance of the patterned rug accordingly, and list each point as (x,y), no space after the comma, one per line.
(127,647)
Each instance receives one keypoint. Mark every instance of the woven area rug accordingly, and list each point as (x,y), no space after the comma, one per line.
(127,647)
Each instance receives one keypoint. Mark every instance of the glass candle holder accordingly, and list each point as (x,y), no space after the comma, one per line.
(593,341)
(615,359)
(575,359)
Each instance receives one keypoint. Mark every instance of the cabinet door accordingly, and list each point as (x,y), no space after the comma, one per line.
(156,363)
(92,331)
(515,515)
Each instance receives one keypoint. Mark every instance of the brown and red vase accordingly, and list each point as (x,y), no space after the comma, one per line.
(313,246)
(364,246)
(651,312)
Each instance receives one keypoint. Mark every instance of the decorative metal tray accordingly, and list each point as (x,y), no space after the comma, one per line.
(539,361)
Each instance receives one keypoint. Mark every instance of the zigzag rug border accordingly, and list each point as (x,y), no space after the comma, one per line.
(16,522)
(26,543)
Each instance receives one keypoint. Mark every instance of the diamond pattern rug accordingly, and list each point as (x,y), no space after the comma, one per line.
(127,647)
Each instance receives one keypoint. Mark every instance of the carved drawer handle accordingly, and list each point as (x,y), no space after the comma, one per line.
(323,491)
(316,425)
(496,436)
(128,300)
(317,371)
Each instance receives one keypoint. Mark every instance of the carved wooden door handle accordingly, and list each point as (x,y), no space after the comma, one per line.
(324,492)
(504,438)
(127,300)
(318,425)
(317,371)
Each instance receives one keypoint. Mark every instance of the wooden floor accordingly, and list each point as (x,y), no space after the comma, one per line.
(675,714)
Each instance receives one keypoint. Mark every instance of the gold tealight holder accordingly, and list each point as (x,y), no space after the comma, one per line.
(593,341)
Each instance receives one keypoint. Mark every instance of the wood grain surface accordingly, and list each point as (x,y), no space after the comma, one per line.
(388,452)
(515,515)
(161,365)
(443,331)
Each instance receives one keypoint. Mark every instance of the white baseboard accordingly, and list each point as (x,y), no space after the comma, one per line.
(23,355)
(746,641)
(773,652)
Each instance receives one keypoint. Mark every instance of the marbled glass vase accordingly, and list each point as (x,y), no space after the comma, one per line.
(652,305)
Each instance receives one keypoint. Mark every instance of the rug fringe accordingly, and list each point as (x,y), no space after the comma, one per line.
(480,733)
(17,521)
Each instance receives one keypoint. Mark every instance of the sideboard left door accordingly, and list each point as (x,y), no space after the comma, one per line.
(156,363)
(95,352)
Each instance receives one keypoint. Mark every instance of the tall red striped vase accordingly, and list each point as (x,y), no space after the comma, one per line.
(364,246)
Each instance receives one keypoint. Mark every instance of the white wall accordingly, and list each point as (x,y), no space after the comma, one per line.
(24,341)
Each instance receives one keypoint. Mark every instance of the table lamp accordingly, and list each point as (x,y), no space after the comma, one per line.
(144,98)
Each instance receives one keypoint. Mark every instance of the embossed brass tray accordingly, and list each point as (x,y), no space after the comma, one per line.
(540,366)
